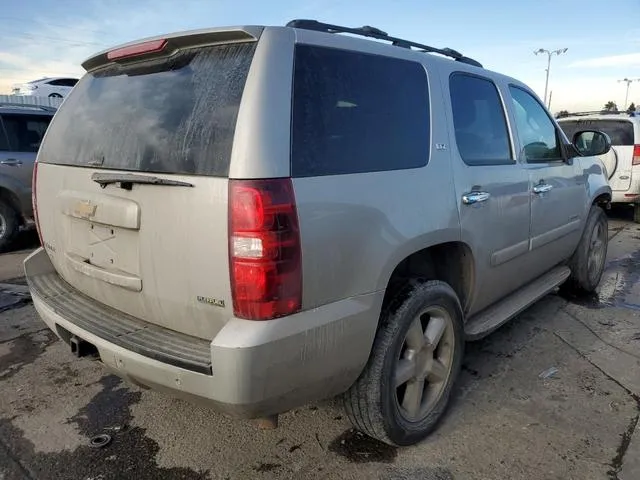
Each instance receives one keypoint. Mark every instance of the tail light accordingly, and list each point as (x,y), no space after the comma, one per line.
(264,249)
(34,199)
(636,155)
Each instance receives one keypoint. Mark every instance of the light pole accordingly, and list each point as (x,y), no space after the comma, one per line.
(628,81)
(549,53)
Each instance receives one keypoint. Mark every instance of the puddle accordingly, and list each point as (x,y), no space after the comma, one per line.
(619,286)
(359,448)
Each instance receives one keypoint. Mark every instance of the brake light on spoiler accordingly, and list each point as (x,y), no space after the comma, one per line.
(144,48)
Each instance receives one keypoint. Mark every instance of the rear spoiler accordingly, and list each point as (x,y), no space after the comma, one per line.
(176,41)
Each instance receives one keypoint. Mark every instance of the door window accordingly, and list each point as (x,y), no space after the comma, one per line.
(479,121)
(538,135)
(4,142)
(25,132)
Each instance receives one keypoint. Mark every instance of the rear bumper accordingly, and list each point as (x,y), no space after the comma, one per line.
(631,195)
(249,369)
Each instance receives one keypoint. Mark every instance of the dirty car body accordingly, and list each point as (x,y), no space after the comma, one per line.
(237,208)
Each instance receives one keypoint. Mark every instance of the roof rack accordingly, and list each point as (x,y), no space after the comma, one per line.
(595,112)
(27,106)
(378,34)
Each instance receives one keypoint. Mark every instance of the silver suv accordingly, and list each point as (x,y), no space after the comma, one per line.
(261,217)
(21,130)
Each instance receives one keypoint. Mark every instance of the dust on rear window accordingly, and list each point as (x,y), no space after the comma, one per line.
(176,116)
(620,131)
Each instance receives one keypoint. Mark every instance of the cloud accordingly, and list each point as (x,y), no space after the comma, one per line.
(50,47)
(627,60)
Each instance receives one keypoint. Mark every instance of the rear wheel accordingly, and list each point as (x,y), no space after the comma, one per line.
(636,213)
(55,95)
(588,261)
(417,354)
(9,225)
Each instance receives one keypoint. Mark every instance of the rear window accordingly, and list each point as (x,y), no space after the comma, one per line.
(178,116)
(354,112)
(620,131)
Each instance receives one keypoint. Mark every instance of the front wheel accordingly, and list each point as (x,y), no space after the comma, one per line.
(588,261)
(416,357)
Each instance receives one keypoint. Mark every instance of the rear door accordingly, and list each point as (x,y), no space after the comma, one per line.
(23,133)
(132,183)
(492,188)
(618,162)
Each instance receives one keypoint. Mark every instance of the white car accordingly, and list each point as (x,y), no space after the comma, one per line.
(623,160)
(57,87)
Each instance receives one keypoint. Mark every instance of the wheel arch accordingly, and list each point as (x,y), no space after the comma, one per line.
(450,261)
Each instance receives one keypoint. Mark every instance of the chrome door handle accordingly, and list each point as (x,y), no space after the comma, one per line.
(542,188)
(11,162)
(475,197)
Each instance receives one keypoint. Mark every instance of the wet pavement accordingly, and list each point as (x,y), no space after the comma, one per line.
(551,395)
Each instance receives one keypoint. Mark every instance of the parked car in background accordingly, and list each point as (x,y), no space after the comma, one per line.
(22,128)
(623,161)
(58,87)
(261,217)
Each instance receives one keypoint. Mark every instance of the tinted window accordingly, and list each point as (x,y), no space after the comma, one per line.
(479,121)
(63,82)
(175,117)
(354,112)
(538,135)
(4,142)
(25,132)
(620,131)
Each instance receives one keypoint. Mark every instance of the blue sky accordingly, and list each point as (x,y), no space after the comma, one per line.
(51,37)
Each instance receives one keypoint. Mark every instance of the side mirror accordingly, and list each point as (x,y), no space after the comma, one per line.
(589,143)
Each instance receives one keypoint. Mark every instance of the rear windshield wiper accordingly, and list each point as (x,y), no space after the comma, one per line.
(126,180)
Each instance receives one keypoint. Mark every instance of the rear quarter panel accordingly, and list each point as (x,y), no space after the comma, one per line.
(357,228)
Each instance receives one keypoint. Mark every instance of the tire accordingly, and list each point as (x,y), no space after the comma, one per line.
(55,95)
(636,213)
(9,225)
(374,404)
(588,261)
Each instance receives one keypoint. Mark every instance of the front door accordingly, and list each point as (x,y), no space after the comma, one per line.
(492,188)
(558,192)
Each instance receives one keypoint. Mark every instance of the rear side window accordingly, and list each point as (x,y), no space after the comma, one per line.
(25,132)
(479,121)
(178,116)
(354,113)
(620,131)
